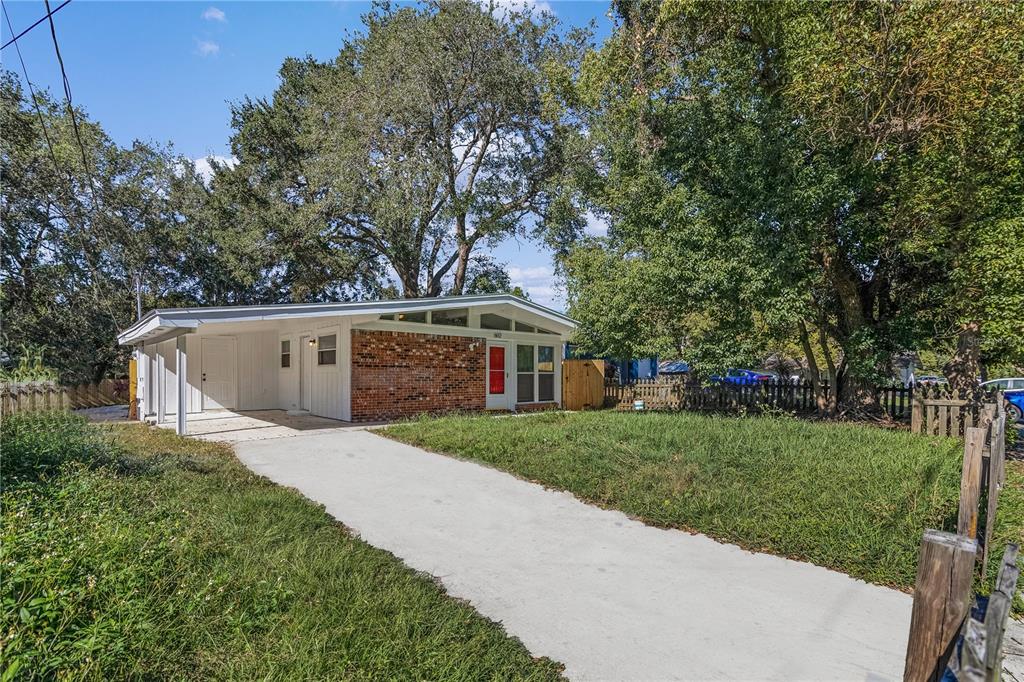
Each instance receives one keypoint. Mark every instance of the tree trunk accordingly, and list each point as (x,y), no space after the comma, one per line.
(964,367)
(461,265)
(820,399)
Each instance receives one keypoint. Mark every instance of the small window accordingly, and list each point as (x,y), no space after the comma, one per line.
(492,321)
(286,354)
(456,317)
(388,317)
(524,373)
(326,350)
(545,358)
(413,317)
(520,327)
(543,331)
(545,372)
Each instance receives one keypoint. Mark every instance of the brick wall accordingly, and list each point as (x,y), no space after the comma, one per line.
(398,374)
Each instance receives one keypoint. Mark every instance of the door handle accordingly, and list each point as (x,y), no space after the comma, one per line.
(204,376)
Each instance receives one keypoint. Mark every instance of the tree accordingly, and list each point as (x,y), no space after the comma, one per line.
(84,224)
(780,171)
(435,131)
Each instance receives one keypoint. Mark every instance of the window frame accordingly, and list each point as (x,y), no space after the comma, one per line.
(535,374)
(285,354)
(320,350)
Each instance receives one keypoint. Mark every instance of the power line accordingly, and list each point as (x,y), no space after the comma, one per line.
(41,20)
(32,92)
(67,95)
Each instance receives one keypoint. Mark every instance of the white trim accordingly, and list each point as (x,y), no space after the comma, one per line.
(180,368)
(163,321)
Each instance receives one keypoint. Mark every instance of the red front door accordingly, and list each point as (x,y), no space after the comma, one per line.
(496,370)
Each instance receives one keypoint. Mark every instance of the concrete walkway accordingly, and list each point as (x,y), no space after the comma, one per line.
(609,597)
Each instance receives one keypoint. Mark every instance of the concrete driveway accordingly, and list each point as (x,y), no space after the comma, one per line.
(607,596)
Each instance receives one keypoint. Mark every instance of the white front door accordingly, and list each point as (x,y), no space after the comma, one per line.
(219,385)
(305,372)
(499,393)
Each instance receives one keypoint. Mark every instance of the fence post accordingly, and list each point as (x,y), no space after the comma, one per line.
(916,414)
(970,482)
(945,567)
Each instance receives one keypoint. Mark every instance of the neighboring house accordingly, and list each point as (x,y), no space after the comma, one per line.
(363,361)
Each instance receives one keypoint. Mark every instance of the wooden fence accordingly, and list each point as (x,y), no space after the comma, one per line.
(45,395)
(943,615)
(582,384)
(672,393)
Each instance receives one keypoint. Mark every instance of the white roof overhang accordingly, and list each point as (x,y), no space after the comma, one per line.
(162,324)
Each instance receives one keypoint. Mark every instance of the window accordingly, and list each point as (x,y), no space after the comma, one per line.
(535,373)
(545,373)
(390,316)
(413,317)
(286,353)
(520,327)
(524,374)
(543,331)
(326,350)
(492,321)
(456,317)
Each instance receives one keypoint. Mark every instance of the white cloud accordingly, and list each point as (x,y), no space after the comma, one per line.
(214,14)
(207,48)
(596,225)
(540,283)
(205,168)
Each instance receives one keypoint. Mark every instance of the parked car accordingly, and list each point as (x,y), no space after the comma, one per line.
(1014,405)
(1005,384)
(931,380)
(742,377)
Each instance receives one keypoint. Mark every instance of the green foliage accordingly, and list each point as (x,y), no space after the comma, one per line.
(758,176)
(435,130)
(849,497)
(31,367)
(129,552)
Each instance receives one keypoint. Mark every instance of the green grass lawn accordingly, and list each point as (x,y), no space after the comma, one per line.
(850,497)
(128,552)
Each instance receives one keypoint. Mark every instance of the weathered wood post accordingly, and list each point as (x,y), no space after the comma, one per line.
(916,414)
(981,658)
(945,568)
(970,482)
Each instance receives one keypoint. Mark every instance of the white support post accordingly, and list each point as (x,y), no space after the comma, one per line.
(181,373)
(142,383)
(161,387)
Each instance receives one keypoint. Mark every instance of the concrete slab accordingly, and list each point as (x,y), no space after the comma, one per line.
(237,427)
(607,596)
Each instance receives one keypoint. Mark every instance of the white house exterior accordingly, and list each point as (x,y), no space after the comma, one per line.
(361,361)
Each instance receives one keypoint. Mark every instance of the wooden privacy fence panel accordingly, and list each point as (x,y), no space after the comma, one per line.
(582,384)
(45,395)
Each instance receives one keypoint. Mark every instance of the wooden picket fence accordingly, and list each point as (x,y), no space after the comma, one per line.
(674,393)
(46,395)
(939,411)
(949,629)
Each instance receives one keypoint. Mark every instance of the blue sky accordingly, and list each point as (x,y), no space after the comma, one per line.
(167,72)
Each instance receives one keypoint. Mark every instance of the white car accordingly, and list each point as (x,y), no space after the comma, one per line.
(1007,384)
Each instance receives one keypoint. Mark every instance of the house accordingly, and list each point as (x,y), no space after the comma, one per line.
(356,361)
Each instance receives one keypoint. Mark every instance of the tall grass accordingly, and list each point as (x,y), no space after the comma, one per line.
(849,497)
(128,552)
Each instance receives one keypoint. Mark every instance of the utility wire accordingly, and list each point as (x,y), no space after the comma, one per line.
(41,20)
(49,143)
(71,108)
(32,92)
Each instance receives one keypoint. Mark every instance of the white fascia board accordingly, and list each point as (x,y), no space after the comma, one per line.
(194,317)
